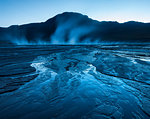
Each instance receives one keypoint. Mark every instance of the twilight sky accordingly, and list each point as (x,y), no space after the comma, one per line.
(13,12)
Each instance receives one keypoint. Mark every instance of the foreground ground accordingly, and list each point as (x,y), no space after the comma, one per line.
(73,82)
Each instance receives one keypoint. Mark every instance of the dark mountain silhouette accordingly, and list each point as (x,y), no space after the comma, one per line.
(75,28)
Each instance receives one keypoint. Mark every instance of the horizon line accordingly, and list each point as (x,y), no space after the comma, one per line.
(7,26)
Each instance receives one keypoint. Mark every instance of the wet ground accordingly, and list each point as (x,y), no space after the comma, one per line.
(73,82)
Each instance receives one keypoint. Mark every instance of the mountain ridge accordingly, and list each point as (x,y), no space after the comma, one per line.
(75,28)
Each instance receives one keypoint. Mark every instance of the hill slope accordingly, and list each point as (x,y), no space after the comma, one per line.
(75,28)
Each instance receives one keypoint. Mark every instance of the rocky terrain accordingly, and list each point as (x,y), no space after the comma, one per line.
(75,82)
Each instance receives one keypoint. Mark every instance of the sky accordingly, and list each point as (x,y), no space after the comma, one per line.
(17,12)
